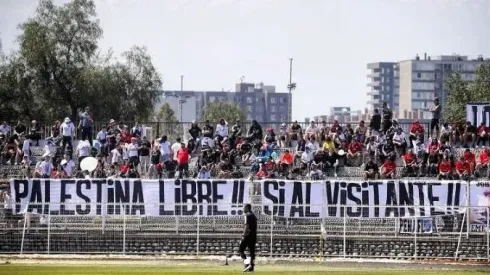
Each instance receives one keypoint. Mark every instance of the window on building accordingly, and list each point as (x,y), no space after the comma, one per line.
(282,100)
(249,108)
(273,100)
(249,99)
(212,99)
(273,118)
(273,108)
(419,75)
(257,99)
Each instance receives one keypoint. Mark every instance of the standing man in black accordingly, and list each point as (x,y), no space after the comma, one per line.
(387,117)
(249,238)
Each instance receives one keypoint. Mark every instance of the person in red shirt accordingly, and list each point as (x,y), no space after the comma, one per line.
(388,170)
(445,169)
(183,161)
(411,167)
(462,169)
(470,158)
(262,173)
(354,149)
(482,132)
(416,129)
(124,168)
(126,135)
(434,146)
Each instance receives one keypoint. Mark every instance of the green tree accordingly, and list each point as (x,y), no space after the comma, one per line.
(58,67)
(228,111)
(166,114)
(169,125)
(462,92)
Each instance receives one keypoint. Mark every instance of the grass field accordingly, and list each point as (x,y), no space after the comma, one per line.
(206,269)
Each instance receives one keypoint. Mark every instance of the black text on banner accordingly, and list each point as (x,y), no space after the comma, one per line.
(130,197)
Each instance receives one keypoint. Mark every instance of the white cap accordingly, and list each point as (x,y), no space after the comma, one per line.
(63,162)
(67,119)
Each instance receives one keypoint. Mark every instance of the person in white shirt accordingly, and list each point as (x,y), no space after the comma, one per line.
(137,130)
(5,128)
(125,153)
(312,129)
(67,165)
(400,141)
(132,150)
(222,129)
(67,130)
(46,167)
(306,157)
(83,150)
(176,147)
(102,139)
(204,173)
(116,156)
(49,147)
(164,149)
(313,144)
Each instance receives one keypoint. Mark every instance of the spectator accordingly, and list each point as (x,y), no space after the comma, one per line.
(133,150)
(371,170)
(165,149)
(335,130)
(207,130)
(204,173)
(483,164)
(482,132)
(410,165)
(295,134)
(262,173)
(67,166)
(67,130)
(20,129)
(469,135)
(447,133)
(354,150)
(102,139)
(144,156)
(387,151)
(56,130)
(387,116)
(286,161)
(255,133)
(462,170)
(445,169)
(375,123)
(433,163)
(332,161)
(176,147)
(153,170)
(83,150)
(125,135)
(35,132)
(46,166)
(361,131)
(388,171)
(416,129)
(313,144)
(328,144)
(270,137)
(323,131)
(86,124)
(195,132)
(137,130)
(312,129)
(283,136)
(399,140)
(5,129)
(183,161)
(436,115)
(116,156)
(222,130)
(470,158)
(306,158)
(236,134)
(372,147)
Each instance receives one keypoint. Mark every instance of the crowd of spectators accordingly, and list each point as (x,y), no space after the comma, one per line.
(220,150)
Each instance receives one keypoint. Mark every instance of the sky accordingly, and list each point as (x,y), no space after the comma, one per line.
(213,43)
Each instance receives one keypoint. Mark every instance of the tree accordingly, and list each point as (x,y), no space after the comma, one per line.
(166,114)
(169,125)
(462,92)
(228,111)
(58,69)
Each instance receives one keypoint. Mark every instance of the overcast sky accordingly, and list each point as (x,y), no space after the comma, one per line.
(215,42)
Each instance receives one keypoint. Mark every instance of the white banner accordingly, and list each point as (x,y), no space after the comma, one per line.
(359,199)
(94,197)
(478,113)
(479,205)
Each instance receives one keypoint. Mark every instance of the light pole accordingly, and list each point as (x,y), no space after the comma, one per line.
(291,87)
(181,83)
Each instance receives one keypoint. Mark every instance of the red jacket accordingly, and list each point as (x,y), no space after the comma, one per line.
(417,128)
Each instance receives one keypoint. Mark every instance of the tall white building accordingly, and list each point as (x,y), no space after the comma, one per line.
(416,82)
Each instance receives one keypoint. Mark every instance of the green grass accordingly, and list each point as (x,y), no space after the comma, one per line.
(44,269)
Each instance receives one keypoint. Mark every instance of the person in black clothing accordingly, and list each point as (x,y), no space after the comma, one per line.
(255,131)
(207,130)
(387,116)
(375,123)
(371,169)
(236,132)
(249,238)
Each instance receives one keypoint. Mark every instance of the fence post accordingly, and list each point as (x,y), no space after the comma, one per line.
(415,238)
(198,234)
(468,195)
(23,234)
(49,232)
(124,229)
(345,235)
(272,231)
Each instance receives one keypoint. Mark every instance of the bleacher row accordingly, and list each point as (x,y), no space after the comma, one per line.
(16,171)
